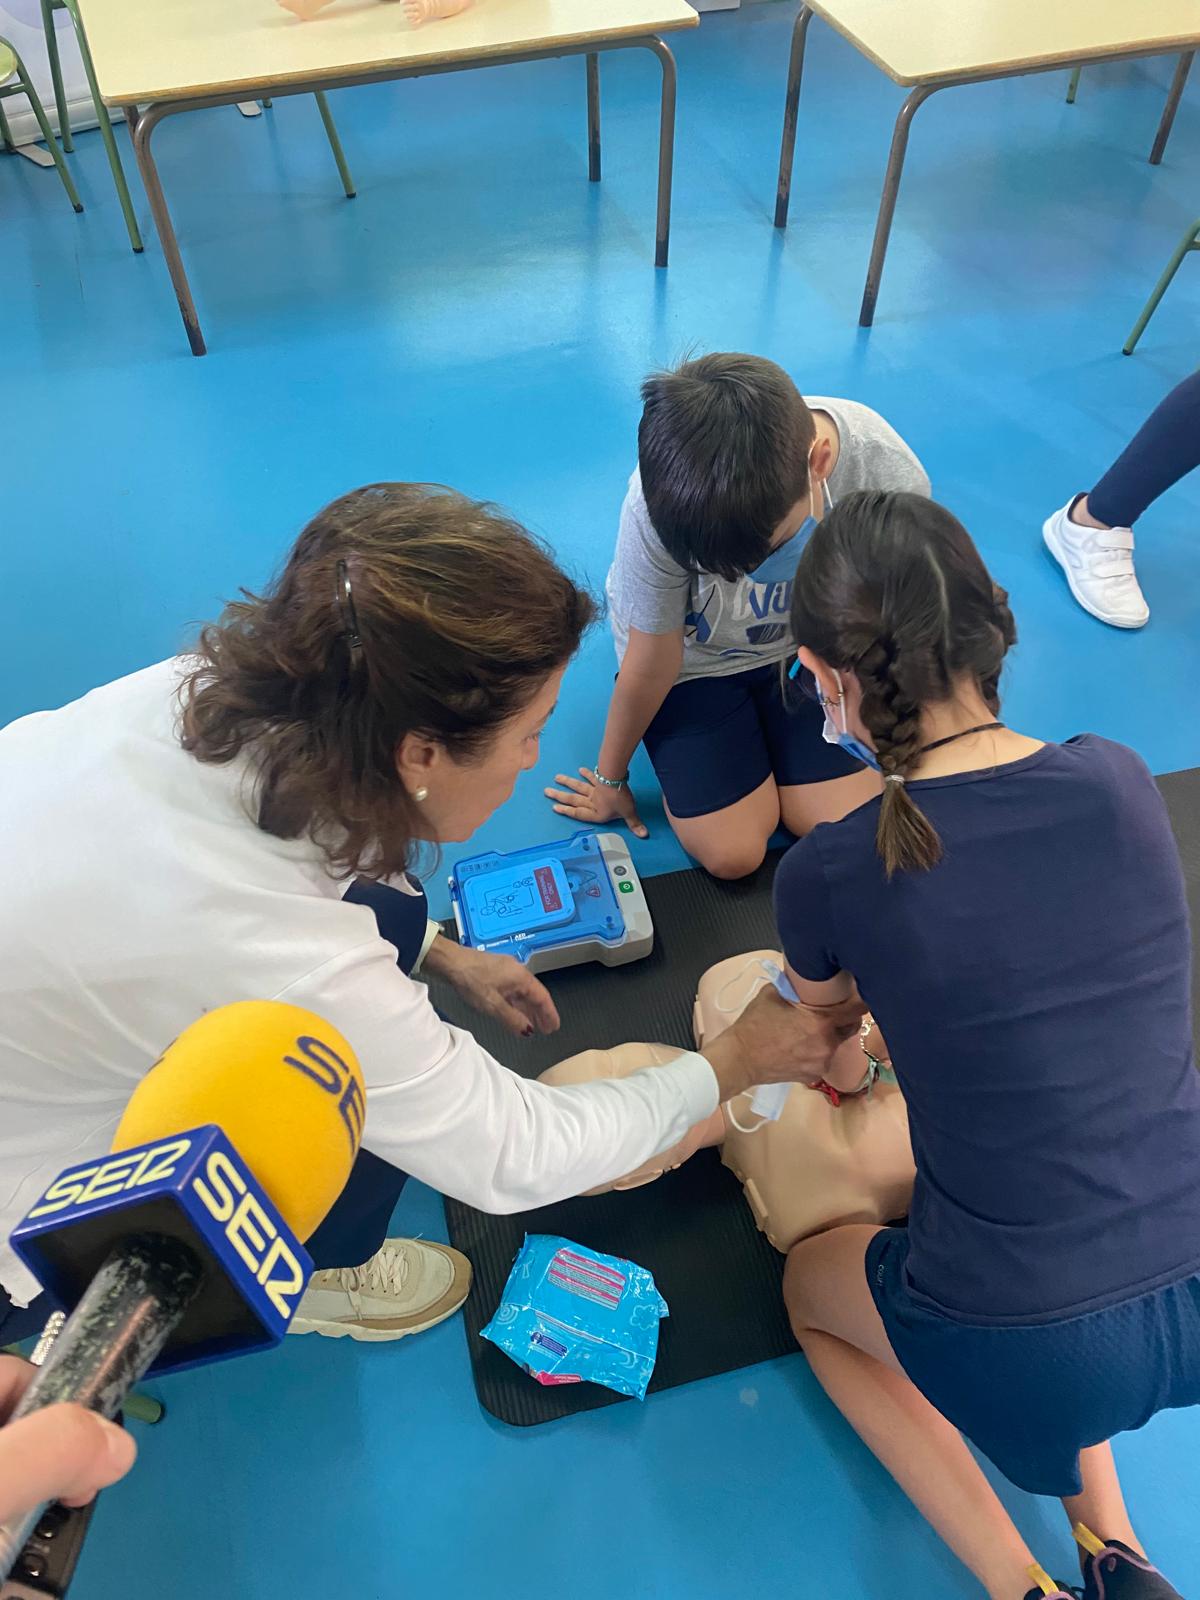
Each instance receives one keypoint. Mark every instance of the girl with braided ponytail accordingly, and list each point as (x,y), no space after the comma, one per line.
(1013,913)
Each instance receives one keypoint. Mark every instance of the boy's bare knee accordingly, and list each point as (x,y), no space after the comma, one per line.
(731,859)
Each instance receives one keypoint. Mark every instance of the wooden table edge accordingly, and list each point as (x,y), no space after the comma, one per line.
(257,88)
(1011,69)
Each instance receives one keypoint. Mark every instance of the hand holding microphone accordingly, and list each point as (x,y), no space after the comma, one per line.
(61,1453)
(184,1245)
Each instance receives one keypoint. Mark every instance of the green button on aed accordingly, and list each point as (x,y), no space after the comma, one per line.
(625,886)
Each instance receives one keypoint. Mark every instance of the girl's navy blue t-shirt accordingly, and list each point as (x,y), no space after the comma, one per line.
(1034,992)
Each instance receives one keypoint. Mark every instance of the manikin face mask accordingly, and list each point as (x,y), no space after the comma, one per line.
(779,565)
(831,732)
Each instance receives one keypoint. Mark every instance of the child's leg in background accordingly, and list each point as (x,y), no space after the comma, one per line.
(1164,449)
(708,751)
(731,843)
(802,806)
(735,757)
(834,1318)
(817,782)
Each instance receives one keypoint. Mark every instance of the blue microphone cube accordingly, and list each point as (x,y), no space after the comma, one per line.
(193,1187)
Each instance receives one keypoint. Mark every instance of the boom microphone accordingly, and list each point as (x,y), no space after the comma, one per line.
(184,1247)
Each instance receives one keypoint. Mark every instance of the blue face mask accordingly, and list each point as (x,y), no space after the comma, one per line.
(779,566)
(831,733)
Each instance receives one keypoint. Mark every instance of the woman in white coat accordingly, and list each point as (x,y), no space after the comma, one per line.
(184,837)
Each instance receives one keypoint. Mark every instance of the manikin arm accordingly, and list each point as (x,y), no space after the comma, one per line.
(419,11)
(415,11)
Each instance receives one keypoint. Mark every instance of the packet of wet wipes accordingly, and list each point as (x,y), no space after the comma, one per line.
(571,1315)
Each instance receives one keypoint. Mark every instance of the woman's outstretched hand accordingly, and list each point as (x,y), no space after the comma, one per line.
(61,1453)
(498,986)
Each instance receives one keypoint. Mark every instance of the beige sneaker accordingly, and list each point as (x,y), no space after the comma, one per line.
(407,1286)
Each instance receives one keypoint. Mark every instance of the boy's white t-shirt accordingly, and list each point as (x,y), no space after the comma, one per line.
(733,626)
(138,893)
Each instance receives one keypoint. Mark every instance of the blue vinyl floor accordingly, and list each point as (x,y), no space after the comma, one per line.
(481,316)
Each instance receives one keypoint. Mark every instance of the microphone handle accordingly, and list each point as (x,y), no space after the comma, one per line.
(127,1314)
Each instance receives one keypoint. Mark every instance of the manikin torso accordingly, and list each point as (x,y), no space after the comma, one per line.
(818,1165)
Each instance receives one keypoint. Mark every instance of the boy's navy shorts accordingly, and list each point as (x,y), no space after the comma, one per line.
(716,740)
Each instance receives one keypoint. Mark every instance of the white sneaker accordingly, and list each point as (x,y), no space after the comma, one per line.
(1098,563)
(407,1286)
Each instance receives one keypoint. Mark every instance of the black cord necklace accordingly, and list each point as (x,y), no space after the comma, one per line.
(980,727)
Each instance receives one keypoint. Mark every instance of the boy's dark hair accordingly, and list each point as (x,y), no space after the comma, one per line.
(403,607)
(723,450)
(891,588)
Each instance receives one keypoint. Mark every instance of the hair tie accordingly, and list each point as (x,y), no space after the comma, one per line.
(894,777)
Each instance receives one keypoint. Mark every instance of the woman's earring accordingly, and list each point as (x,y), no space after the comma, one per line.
(420,794)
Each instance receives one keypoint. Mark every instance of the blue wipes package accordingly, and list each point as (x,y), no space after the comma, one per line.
(570,1315)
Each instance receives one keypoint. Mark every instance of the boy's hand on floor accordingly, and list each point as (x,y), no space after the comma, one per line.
(584,800)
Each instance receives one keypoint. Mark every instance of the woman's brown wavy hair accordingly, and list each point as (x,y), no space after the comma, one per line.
(454,619)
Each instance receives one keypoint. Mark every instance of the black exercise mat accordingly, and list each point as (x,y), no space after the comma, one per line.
(692,1229)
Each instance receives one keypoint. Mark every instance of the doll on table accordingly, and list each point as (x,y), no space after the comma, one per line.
(415,11)
(835,1155)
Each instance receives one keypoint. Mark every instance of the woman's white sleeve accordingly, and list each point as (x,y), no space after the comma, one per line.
(443,1109)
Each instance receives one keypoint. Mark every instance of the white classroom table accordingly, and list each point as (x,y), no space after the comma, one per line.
(927,45)
(157,58)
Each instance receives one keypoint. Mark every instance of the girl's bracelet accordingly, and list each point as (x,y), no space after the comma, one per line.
(609,783)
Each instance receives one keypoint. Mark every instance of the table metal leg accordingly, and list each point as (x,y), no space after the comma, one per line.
(593,103)
(666,150)
(1182,68)
(791,110)
(335,144)
(1073,85)
(141,127)
(887,203)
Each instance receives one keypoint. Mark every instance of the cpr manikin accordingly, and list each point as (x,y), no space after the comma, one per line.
(620,1062)
(416,11)
(819,1163)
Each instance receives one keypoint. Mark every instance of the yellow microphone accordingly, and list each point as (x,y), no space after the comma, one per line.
(185,1244)
(282,1085)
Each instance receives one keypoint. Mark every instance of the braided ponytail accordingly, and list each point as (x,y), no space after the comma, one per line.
(904,836)
(891,589)
(1004,631)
